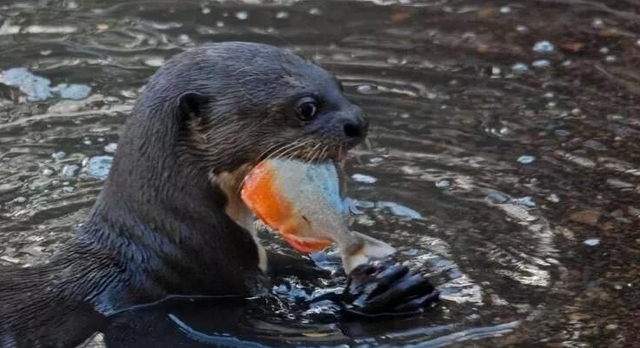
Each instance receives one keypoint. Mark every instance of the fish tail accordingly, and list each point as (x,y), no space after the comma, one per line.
(371,249)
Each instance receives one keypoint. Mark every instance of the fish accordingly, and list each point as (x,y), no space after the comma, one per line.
(304,202)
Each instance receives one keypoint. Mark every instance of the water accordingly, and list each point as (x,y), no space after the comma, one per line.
(511,173)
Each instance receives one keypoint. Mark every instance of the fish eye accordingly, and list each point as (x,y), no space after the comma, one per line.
(307,108)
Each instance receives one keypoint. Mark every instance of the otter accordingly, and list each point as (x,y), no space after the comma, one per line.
(169,220)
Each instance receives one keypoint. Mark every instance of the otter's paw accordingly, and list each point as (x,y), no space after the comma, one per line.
(387,289)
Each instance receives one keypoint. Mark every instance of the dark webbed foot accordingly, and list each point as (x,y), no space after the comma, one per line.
(387,288)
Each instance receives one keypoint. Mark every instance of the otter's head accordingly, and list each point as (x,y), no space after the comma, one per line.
(245,102)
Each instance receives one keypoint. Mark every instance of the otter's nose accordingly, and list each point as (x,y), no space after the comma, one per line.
(355,126)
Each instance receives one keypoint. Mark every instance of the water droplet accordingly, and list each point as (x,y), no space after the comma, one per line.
(69,171)
(111,147)
(526,159)
(242,15)
(526,201)
(315,11)
(497,198)
(367,89)
(553,198)
(505,9)
(597,23)
(519,67)
(441,184)
(154,61)
(87,142)
(59,155)
(364,178)
(130,94)
(45,52)
(376,160)
(549,95)
(206,10)
(20,200)
(604,50)
(282,15)
(495,70)
(592,241)
(610,59)
(219,24)
(638,42)
(541,63)
(47,172)
(522,29)
(400,210)
(543,47)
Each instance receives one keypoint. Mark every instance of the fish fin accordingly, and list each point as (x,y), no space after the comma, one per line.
(372,249)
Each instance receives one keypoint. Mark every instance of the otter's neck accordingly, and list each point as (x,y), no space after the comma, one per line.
(160,211)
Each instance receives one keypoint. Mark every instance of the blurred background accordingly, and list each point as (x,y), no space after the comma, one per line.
(504,154)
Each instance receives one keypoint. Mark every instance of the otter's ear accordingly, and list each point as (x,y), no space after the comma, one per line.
(191,104)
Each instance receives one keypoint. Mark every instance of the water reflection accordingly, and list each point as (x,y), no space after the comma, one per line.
(504,143)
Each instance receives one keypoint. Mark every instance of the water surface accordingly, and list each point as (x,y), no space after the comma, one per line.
(504,155)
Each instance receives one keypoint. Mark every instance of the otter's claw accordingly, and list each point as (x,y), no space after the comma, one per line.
(387,289)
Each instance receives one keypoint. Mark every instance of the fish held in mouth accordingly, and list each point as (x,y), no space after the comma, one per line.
(303,202)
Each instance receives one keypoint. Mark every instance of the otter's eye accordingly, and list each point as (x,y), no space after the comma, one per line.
(307,109)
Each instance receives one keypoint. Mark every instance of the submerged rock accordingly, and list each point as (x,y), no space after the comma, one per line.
(72,91)
(37,88)
(99,166)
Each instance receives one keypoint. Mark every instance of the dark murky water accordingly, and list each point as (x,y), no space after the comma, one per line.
(505,153)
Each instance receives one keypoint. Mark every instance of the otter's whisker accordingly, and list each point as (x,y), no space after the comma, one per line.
(283,149)
(324,153)
(316,155)
(294,151)
(312,154)
(269,148)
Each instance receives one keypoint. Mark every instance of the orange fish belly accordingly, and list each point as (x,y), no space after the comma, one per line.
(262,195)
